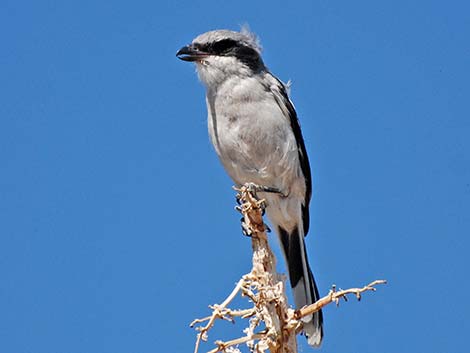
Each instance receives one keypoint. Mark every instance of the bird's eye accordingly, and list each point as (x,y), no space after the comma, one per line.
(223,46)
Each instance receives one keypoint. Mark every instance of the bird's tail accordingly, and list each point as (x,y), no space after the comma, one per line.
(302,283)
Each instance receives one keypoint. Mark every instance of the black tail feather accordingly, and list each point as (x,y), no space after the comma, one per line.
(302,281)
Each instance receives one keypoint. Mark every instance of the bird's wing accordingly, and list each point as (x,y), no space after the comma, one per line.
(279,91)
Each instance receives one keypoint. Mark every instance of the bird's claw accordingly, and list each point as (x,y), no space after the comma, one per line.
(245,229)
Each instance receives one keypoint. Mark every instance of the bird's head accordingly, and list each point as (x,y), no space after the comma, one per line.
(222,54)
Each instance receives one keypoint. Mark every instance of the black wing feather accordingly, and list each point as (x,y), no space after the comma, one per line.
(303,157)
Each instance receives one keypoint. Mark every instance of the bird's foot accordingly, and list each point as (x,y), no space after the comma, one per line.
(261,204)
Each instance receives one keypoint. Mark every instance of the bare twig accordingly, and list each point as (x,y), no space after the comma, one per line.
(217,312)
(335,296)
(221,346)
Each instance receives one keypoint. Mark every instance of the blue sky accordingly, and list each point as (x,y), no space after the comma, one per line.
(114,207)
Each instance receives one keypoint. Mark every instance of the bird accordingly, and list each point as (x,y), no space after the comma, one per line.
(256,134)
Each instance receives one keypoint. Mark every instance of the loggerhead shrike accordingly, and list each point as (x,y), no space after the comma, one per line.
(255,132)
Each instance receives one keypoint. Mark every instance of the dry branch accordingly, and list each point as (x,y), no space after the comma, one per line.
(335,296)
(265,288)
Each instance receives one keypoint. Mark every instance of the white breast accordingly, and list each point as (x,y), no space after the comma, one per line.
(251,135)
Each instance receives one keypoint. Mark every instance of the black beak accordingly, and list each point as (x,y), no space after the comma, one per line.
(190,53)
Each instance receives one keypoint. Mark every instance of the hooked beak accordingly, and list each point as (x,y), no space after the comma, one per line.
(190,53)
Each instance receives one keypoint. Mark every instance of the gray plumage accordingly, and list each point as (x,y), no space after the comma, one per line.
(255,132)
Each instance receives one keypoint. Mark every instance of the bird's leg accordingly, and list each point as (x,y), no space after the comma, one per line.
(254,188)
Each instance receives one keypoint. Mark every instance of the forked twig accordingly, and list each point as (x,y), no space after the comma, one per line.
(217,313)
